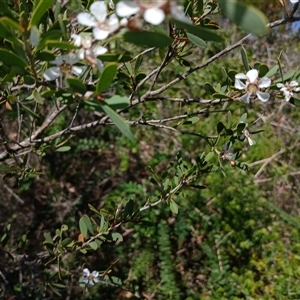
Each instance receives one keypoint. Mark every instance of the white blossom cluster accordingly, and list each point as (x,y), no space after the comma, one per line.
(128,14)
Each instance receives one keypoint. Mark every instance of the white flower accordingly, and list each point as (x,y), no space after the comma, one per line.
(252,86)
(153,10)
(90,278)
(89,51)
(247,136)
(64,66)
(102,27)
(288,89)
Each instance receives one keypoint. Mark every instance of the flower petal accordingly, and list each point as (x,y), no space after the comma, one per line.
(264,97)
(239,84)
(264,82)
(96,279)
(90,283)
(95,274)
(245,98)
(280,85)
(86,272)
(71,58)
(58,60)
(77,39)
(100,34)
(294,83)
(78,70)
(52,73)
(99,10)
(252,75)
(113,22)
(126,8)
(86,19)
(251,142)
(240,76)
(154,15)
(98,50)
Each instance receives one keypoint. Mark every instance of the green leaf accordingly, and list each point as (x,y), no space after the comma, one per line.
(106,77)
(9,23)
(5,10)
(272,71)
(88,223)
(129,208)
(92,208)
(117,102)
(199,187)
(209,88)
(174,207)
(76,85)
(138,63)
(82,227)
(263,70)
(191,121)
(40,8)
(66,242)
(229,119)
(243,118)
(196,41)
(245,16)
(117,236)
(220,127)
(7,169)
(30,112)
(60,45)
(37,97)
(245,59)
(148,38)
(11,59)
(199,31)
(119,122)
(209,156)
(240,127)
(221,96)
(63,149)
(93,245)
(48,238)
(64,227)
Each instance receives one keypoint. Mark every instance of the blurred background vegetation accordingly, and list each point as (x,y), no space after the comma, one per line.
(236,239)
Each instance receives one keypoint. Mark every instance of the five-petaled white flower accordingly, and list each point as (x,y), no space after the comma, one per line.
(153,11)
(89,51)
(102,26)
(90,278)
(288,89)
(64,66)
(252,86)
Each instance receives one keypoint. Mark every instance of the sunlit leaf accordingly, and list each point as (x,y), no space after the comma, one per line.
(119,122)
(40,8)
(106,77)
(196,41)
(245,16)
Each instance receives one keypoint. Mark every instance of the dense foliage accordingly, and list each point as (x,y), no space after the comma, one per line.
(149,150)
